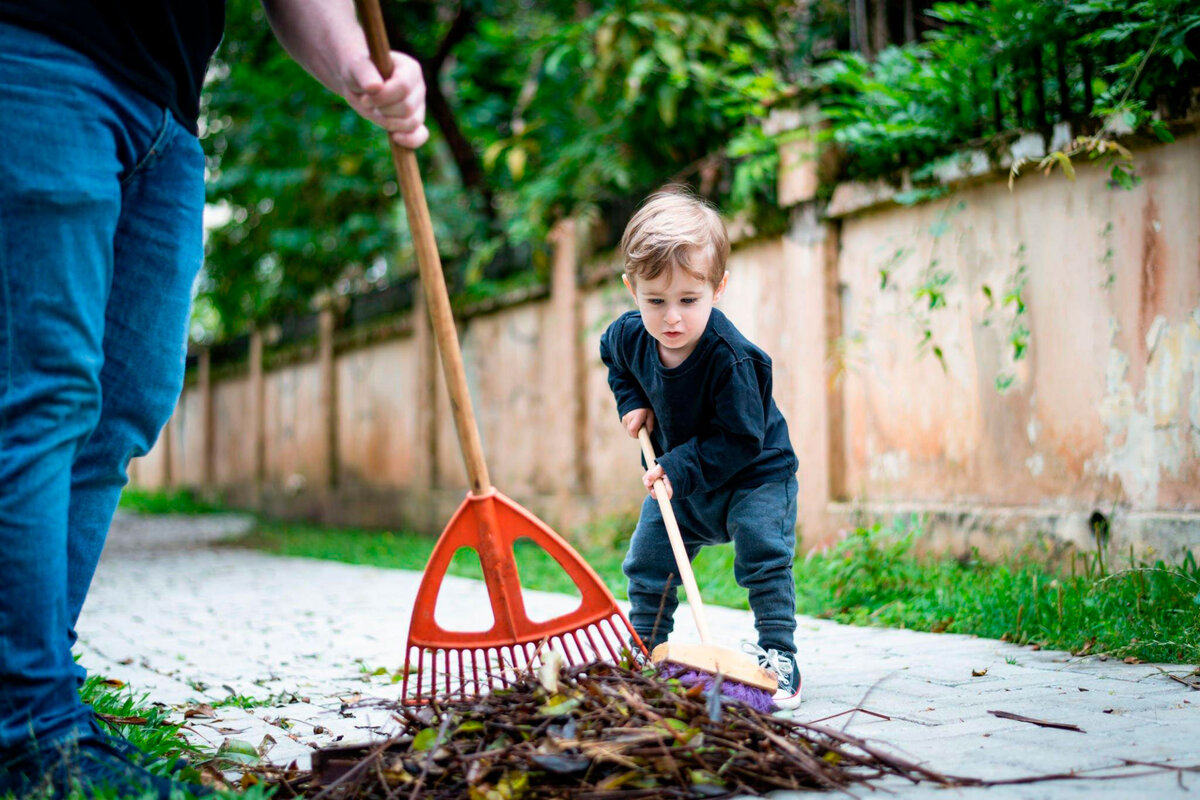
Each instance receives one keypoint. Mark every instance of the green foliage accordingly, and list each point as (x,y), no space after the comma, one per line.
(147,726)
(631,96)
(307,184)
(166,501)
(541,111)
(407,550)
(143,724)
(560,111)
(877,577)
(994,67)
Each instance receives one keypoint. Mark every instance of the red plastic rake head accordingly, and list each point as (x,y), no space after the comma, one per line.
(442,662)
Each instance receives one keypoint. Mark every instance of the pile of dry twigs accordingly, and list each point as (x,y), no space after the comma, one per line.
(596,731)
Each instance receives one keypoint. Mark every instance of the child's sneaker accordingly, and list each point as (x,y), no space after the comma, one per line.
(783,666)
(637,657)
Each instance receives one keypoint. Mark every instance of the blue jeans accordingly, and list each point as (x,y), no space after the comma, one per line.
(101,197)
(761,523)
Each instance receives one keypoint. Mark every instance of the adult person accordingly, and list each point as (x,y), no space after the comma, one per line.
(101,201)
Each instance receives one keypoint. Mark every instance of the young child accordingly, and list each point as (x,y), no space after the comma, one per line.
(703,391)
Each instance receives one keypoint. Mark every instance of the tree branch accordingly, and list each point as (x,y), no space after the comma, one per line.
(463,24)
(470,169)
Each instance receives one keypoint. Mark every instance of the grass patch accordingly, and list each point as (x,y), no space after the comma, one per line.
(146,725)
(406,550)
(166,501)
(1141,609)
(1147,611)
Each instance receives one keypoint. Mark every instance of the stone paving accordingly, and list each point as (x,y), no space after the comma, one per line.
(286,654)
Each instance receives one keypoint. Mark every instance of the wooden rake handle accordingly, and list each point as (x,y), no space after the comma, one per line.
(681,559)
(430,264)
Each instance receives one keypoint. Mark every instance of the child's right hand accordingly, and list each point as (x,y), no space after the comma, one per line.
(636,419)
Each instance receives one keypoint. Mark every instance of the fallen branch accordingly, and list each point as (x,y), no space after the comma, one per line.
(1041,723)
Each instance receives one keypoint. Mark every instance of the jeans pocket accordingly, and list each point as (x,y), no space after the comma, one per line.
(160,142)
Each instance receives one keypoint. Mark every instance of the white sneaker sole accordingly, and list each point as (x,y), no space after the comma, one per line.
(788,702)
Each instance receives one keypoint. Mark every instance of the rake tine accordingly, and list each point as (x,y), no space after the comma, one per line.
(521,660)
(480,677)
(628,639)
(512,661)
(575,655)
(407,673)
(572,654)
(503,668)
(433,673)
(607,634)
(591,635)
(583,652)
(469,655)
(530,654)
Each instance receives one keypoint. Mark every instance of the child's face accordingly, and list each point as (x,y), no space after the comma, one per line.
(675,309)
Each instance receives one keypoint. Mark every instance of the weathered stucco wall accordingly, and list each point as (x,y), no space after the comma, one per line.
(1102,409)
(1007,362)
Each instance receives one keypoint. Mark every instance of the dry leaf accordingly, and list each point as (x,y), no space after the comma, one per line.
(202,710)
(552,663)
(978,673)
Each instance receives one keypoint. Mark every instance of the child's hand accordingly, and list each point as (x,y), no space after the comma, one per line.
(656,474)
(636,419)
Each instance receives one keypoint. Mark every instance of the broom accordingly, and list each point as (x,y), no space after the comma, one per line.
(737,676)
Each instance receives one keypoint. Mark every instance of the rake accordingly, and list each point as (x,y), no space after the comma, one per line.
(442,662)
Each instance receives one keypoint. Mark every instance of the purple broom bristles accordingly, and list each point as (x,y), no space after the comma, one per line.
(729,690)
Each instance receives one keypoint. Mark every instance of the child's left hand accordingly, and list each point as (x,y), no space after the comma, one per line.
(653,475)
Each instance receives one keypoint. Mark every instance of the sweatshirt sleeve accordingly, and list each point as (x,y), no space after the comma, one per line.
(732,440)
(624,385)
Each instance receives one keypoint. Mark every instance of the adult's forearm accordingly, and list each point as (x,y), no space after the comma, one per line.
(322,35)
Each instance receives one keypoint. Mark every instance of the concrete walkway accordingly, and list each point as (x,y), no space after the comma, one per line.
(300,641)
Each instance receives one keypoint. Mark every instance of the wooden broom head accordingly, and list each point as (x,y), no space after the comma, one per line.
(735,666)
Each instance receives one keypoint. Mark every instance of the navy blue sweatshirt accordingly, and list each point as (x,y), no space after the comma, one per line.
(716,423)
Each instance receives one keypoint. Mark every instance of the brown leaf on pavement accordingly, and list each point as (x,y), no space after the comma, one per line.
(202,710)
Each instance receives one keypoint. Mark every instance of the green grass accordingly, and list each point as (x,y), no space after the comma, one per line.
(1142,610)
(166,501)
(147,726)
(142,723)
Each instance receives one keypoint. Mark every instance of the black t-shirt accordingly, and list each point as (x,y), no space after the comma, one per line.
(716,423)
(160,48)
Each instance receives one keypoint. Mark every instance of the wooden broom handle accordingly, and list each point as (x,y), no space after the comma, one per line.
(430,264)
(681,560)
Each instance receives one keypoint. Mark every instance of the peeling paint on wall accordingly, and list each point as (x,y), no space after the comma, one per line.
(1036,463)
(890,466)
(1156,432)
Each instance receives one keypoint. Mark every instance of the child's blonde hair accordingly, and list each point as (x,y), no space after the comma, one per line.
(675,228)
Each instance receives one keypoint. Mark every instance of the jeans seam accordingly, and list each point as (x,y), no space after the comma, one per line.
(5,303)
(159,144)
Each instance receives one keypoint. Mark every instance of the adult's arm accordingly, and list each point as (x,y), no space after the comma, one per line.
(325,38)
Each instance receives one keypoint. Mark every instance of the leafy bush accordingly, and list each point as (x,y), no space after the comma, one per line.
(1010,65)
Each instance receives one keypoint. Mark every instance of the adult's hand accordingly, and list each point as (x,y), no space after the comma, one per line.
(397,104)
(324,36)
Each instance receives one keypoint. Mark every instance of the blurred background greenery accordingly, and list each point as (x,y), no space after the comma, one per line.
(543,111)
